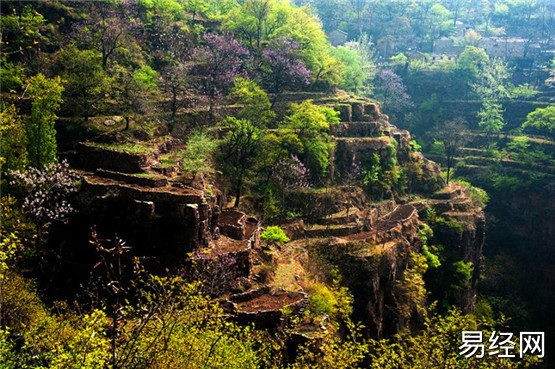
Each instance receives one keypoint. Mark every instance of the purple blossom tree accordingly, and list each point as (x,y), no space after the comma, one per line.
(46,192)
(172,44)
(106,26)
(291,174)
(282,66)
(392,92)
(215,269)
(175,85)
(224,60)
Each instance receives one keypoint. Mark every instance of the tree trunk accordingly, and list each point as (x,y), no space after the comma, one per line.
(238,191)
(174,106)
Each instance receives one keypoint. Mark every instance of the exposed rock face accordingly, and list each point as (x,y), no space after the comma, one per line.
(466,239)
(469,243)
(462,234)
(134,179)
(365,131)
(167,221)
(94,157)
(376,268)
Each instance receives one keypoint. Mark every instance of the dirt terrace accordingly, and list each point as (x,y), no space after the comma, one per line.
(270,302)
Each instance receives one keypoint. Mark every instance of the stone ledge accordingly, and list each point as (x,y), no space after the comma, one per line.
(133,179)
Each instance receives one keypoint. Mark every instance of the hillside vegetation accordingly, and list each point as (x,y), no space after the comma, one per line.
(214,184)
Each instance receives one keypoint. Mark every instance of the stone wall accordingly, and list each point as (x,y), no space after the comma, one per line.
(166,222)
(94,157)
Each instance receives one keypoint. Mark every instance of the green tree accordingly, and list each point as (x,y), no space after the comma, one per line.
(492,80)
(259,10)
(197,153)
(254,102)
(23,36)
(14,152)
(196,7)
(367,56)
(454,135)
(491,117)
(87,83)
(309,124)
(250,20)
(354,76)
(541,120)
(135,90)
(41,134)
(470,62)
(175,85)
(240,150)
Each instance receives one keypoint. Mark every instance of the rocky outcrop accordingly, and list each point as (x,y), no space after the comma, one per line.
(165,221)
(94,157)
(150,181)
(365,131)
(461,233)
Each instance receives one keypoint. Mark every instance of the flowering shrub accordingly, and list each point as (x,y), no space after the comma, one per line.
(215,270)
(46,191)
(291,173)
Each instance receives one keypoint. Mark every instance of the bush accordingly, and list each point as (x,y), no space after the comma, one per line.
(273,235)
(199,148)
(335,301)
(22,308)
(462,272)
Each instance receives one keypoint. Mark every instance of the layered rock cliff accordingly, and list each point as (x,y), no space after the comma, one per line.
(372,242)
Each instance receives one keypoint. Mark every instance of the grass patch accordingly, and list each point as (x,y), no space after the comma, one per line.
(146,175)
(285,276)
(168,161)
(132,148)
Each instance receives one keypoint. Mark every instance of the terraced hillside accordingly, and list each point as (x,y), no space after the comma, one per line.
(519,176)
(137,189)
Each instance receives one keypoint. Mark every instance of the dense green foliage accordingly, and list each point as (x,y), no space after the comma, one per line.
(231,81)
(541,121)
(437,346)
(196,157)
(274,234)
(41,135)
(308,127)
